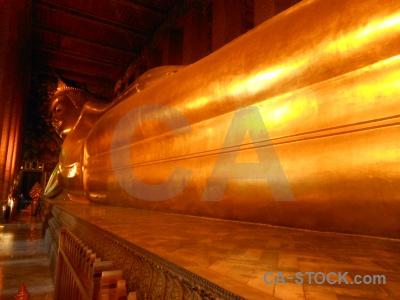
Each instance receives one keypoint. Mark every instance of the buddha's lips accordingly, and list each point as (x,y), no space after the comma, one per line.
(57,125)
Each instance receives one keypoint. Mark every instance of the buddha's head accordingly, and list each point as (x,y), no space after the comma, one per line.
(65,109)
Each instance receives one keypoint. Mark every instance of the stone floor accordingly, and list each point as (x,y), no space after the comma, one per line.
(23,259)
(252,259)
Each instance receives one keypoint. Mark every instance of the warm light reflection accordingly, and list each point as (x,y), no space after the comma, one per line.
(358,39)
(7,243)
(265,79)
(386,83)
(198,103)
(257,82)
(66,131)
(10,202)
(96,196)
(281,112)
(71,171)
(391,79)
(380,25)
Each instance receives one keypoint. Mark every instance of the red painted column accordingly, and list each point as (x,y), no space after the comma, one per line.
(172,48)
(175,47)
(226,22)
(196,40)
(15,49)
(263,10)
(281,5)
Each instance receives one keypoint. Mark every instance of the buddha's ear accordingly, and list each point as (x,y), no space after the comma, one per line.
(60,86)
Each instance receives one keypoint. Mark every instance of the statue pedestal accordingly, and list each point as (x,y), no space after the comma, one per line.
(204,258)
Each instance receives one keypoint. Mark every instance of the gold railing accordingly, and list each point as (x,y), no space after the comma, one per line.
(82,275)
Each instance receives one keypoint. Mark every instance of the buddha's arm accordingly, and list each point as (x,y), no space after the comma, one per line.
(54,187)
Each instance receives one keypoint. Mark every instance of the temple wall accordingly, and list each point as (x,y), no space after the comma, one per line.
(15,41)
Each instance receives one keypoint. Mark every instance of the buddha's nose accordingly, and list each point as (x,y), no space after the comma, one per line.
(54,121)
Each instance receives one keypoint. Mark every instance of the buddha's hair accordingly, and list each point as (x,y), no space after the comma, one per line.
(77,96)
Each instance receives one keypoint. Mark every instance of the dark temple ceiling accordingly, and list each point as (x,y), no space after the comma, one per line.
(92,42)
(88,44)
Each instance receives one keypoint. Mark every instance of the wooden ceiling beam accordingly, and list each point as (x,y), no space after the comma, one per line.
(79,56)
(92,18)
(88,40)
(72,75)
(91,83)
(142,4)
(68,67)
(180,8)
(53,42)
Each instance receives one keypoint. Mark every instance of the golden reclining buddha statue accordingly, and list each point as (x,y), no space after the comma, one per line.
(295,123)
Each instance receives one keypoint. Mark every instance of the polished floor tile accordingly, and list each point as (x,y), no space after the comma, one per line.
(23,260)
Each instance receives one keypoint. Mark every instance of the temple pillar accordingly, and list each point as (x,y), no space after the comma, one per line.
(196,42)
(263,10)
(172,48)
(226,22)
(15,41)
(281,5)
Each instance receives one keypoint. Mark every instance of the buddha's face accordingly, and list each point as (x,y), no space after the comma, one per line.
(64,115)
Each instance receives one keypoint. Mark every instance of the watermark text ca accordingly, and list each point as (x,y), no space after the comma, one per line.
(246,120)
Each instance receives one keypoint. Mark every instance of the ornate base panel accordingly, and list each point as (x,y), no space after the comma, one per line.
(147,274)
(171,256)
